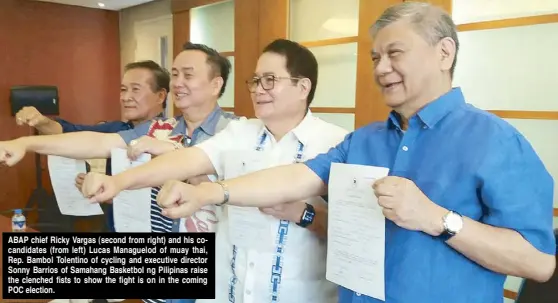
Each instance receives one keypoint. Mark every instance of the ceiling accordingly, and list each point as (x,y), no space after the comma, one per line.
(109,4)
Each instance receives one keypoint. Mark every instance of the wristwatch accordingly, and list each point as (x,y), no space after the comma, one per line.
(307,216)
(453,223)
(225,193)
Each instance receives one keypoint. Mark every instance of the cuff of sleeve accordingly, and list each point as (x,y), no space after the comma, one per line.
(319,168)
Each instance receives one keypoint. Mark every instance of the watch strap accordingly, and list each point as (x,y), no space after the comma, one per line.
(307,216)
(225,193)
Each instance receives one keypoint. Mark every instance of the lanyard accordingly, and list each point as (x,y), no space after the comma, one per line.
(281,237)
(299,153)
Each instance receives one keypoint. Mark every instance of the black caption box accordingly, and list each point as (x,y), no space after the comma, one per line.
(108,265)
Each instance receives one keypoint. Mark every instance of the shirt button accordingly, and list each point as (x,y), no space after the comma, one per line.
(251,264)
(358,294)
(405,148)
(248,292)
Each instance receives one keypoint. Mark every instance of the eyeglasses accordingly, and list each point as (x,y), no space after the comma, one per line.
(267,82)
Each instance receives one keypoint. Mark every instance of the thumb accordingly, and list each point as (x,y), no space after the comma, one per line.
(102,195)
(169,195)
(12,158)
(180,211)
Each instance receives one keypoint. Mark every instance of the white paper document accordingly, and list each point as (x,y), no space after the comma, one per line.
(63,172)
(131,208)
(248,227)
(356,230)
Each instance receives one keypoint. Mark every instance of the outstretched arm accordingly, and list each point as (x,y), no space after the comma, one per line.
(268,187)
(181,164)
(264,188)
(80,145)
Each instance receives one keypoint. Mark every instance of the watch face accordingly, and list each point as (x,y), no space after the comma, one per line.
(453,222)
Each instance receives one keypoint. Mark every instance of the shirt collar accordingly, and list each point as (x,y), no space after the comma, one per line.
(210,123)
(159,116)
(304,131)
(435,111)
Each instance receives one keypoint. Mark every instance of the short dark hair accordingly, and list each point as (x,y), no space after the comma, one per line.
(161,76)
(220,65)
(301,62)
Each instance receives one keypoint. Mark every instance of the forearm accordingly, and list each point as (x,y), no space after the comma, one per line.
(181,164)
(270,187)
(79,145)
(502,250)
(50,127)
(319,225)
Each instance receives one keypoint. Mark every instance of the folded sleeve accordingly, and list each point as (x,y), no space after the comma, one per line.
(517,191)
(109,127)
(321,164)
(221,142)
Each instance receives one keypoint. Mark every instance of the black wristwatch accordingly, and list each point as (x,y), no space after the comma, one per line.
(307,216)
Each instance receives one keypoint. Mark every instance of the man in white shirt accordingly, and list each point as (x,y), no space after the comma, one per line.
(271,254)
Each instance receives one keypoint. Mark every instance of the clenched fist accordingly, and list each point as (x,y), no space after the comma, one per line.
(11,152)
(100,187)
(30,116)
(181,200)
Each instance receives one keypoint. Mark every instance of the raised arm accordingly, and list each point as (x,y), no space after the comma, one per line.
(29,115)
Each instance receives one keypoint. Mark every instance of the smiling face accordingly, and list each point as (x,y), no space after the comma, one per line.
(409,70)
(138,99)
(193,81)
(279,95)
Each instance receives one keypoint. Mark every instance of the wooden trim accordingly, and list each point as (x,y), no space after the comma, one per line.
(274,21)
(369,101)
(520,114)
(180,35)
(227,54)
(327,42)
(510,294)
(178,6)
(228,109)
(246,24)
(521,21)
(447,5)
(556,212)
(333,110)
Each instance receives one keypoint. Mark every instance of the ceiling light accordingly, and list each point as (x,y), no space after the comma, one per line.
(100,4)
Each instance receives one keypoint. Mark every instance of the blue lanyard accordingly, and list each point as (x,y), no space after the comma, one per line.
(281,236)
(299,153)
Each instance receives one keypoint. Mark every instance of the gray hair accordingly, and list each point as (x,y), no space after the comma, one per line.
(431,22)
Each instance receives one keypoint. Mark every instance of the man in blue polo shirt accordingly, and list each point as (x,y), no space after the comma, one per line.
(143,94)
(467,200)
